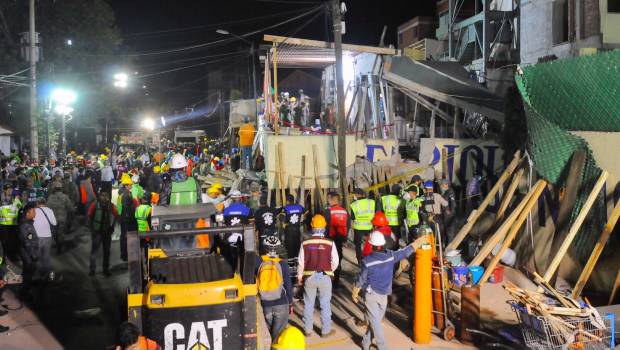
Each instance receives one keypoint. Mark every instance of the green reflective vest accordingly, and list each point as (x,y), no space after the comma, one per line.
(413,207)
(364,211)
(390,204)
(8,213)
(184,193)
(142,215)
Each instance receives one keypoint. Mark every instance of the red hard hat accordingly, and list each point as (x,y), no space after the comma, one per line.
(380,219)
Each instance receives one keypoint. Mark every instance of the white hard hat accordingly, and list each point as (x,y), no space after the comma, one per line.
(235,194)
(178,161)
(135,179)
(377,239)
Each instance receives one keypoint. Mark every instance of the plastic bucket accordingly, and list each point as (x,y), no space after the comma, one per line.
(498,275)
(476,273)
(459,275)
(454,258)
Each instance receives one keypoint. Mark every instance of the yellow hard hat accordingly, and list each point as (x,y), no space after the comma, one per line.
(293,99)
(213,189)
(318,221)
(291,338)
(217,185)
(165,167)
(126,180)
(206,150)
(216,159)
(103,157)
(156,169)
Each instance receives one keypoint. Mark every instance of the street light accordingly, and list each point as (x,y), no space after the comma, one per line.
(148,124)
(121,80)
(252,53)
(63,98)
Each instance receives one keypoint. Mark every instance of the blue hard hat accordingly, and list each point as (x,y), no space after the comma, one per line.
(196,158)
(428,184)
(235,150)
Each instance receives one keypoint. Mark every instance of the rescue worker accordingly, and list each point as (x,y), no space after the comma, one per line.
(391,206)
(70,189)
(102,216)
(449,212)
(318,259)
(180,189)
(126,208)
(412,210)
(265,222)
(154,181)
(129,338)
(29,249)
(434,205)
(417,181)
(8,222)
(276,311)
(107,175)
(87,192)
(143,213)
(362,212)
(293,214)
(375,282)
(29,193)
(380,224)
(215,197)
(291,338)
(235,214)
(339,224)
(63,210)
(137,191)
(246,141)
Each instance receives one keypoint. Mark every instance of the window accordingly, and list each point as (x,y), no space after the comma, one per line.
(560,21)
(613,6)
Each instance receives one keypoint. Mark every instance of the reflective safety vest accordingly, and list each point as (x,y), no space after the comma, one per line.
(413,208)
(390,204)
(142,215)
(364,210)
(8,213)
(184,193)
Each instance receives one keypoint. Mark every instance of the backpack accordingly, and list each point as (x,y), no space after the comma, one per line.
(270,282)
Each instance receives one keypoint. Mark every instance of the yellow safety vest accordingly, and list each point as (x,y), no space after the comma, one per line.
(413,208)
(364,211)
(142,216)
(8,213)
(390,204)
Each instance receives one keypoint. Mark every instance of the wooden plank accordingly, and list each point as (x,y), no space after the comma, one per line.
(557,259)
(281,173)
(564,301)
(325,44)
(516,227)
(487,200)
(302,182)
(508,195)
(316,172)
(503,229)
(596,252)
(614,290)
(444,163)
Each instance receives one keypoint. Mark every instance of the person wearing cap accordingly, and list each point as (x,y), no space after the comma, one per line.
(63,209)
(318,259)
(265,221)
(392,206)
(246,141)
(276,311)
(374,282)
(413,203)
(102,217)
(449,212)
(9,209)
(338,224)
(362,212)
(293,217)
(417,181)
(434,204)
(237,213)
(235,160)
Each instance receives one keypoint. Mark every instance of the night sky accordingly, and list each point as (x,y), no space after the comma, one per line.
(153,26)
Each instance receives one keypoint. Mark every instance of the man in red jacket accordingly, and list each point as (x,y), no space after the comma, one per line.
(338,224)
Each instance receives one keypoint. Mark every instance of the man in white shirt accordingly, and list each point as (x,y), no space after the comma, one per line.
(107,177)
(44,224)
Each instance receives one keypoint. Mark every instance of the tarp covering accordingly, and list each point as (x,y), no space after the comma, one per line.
(577,94)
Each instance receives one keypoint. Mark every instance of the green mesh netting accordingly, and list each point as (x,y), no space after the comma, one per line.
(582,94)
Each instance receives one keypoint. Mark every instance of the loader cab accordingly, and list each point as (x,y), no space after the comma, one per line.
(182,292)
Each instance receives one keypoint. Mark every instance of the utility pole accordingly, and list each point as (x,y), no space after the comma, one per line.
(253,55)
(340,115)
(34,134)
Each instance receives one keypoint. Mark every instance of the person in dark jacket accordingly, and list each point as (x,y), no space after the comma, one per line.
(2,284)
(102,217)
(265,221)
(29,248)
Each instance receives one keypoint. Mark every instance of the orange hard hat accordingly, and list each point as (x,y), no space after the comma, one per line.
(380,219)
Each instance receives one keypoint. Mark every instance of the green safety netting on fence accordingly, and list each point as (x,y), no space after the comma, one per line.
(576,94)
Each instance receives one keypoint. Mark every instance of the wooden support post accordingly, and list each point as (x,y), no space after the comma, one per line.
(490,196)
(317,181)
(503,229)
(614,290)
(444,163)
(557,259)
(431,126)
(302,183)
(596,252)
(281,173)
(508,195)
(516,227)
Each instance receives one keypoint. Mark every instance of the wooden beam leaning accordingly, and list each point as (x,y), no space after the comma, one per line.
(317,181)
(503,229)
(281,173)
(490,196)
(555,263)
(596,252)
(516,227)
(508,195)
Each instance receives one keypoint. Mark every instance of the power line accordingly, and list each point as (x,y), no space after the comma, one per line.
(180,68)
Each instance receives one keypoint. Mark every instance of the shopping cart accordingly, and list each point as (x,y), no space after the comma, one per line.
(578,333)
